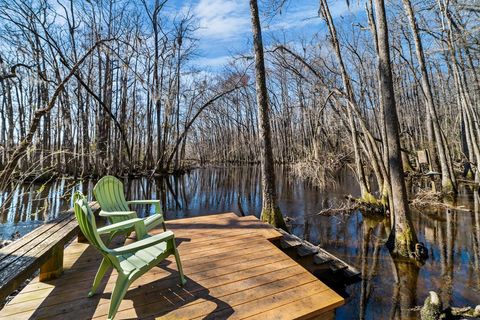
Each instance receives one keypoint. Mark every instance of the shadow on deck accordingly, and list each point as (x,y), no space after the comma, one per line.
(232,269)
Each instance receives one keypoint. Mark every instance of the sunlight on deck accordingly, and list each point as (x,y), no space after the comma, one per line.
(233,271)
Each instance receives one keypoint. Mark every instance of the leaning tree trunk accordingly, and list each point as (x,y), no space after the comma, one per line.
(270,210)
(403,233)
(362,180)
(448,182)
(38,115)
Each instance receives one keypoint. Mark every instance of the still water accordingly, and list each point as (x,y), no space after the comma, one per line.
(389,288)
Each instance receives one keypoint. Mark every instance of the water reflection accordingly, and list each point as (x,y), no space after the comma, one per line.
(30,205)
(405,289)
(373,232)
(389,289)
(475,241)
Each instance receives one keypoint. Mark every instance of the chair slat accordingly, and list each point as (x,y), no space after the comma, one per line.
(147,253)
(109,192)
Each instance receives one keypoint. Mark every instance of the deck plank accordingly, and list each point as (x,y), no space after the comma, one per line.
(233,271)
(303,308)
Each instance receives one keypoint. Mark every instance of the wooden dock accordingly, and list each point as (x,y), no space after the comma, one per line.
(233,272)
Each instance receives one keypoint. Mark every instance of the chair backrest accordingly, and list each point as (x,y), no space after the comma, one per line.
(86,221)
(110,194)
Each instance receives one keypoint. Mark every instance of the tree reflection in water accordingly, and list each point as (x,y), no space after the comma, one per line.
(404,288)
(389,287)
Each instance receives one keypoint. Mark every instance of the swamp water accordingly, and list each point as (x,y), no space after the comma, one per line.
(389,288)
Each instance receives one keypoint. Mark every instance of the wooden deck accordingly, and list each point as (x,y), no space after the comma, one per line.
(233,271)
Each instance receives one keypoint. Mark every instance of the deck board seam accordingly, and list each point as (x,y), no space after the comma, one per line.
(265,296)
(212,287)
(193,303)
(111,280)
(216,264)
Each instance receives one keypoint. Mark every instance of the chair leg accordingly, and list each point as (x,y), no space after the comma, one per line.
(118,293)
(179,266)
(158,210)
(104,266)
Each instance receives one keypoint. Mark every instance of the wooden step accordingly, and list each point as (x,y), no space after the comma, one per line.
(307,249)
(319,256)
(337,266)
(289,240)
(322,257)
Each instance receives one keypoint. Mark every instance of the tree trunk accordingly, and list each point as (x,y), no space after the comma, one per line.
(22,148)
(448,182)
(403,233)
(347,87)
(270,210)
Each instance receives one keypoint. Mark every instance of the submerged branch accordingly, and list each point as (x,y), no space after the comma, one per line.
(429,199)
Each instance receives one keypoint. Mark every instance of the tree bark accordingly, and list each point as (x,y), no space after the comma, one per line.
(21,149)
(347,87)
(448,182)
(403,233)
(270,209)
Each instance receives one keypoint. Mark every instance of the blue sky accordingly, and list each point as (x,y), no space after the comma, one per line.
(225,30)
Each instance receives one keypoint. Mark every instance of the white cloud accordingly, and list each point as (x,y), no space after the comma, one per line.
(305,15)
(213,62)
(222,19)
(340,8)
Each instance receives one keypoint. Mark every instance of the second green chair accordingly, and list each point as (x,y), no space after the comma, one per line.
(109,193)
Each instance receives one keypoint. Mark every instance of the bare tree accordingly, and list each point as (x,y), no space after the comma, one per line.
(403,232)
(448,178)
(270,209)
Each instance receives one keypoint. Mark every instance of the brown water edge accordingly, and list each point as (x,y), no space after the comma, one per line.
(389,287)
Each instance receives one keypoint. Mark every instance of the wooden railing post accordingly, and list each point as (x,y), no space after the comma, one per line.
(53,268)
(81,237)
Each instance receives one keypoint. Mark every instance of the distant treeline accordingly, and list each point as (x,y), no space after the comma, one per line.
(134,102)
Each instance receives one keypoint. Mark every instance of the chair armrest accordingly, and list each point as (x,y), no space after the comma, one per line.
(119,225)
(117,213)
(153,201)
(144,243)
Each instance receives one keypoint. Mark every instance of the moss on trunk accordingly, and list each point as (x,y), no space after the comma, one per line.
(368,198)
(432,308)
(273,216)
(404,242)
(448,187)
(407,166)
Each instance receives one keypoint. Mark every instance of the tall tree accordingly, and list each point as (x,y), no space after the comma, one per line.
(403,233)
(270,210)
(448,178)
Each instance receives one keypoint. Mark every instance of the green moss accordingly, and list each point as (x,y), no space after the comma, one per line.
(404,243)
(274,217)
(384,199)
(448,187)
(369,222)
(407,167)
(470,175)
(41,188)
(432,308)
(367,197)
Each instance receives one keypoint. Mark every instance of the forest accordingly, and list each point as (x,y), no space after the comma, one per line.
(387,92)
(117,86)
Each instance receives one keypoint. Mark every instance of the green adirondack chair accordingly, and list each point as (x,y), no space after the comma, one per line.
(110,195)
(132,260)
